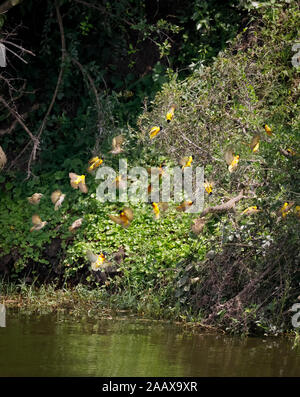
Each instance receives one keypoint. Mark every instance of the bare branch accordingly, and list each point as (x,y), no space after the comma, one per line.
(15,54)
(225,207)
(18,46)
(18,118)
(15,122)
(93,86)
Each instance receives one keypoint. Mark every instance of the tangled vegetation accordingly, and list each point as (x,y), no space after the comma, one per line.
(241,272)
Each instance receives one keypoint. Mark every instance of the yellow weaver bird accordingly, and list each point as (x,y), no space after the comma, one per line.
(170,113)
(117,142)
(185,205)
(208,186)
(94,162)
(125,217)
(285,209)
(98,262)
(78,181)
(35,198)
(231,160)
(268,130)
(37,223)
(154,131)
(57,199)
(76,224)
(186,161)
(291,151)
(254,145)
(250,210)
(158,208)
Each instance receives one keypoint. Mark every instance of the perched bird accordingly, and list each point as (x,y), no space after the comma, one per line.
(184,205)
(117,142)
(37,223)
(186,161)
(35,198)
(78,181)
(251,210)
(268,130)
(254,145)
(231,160)
(291,152)
(76,224)
(208,186)
(285,209)
(198,225)
(170,113)
(57,198)
(125,217)
(98,262)
(154,131)
(94,162)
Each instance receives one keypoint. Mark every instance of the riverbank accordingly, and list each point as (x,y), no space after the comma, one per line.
(81,301)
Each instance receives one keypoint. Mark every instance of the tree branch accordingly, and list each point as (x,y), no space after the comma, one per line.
(17,117)
(93,86)
(225,207)
(15,122)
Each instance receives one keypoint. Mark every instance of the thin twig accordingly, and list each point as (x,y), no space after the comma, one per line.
(15,114)
(18,46)
(13,125)
(93,86)
(198,147)
(16,55)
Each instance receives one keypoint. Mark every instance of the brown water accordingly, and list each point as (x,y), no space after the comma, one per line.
(59,345)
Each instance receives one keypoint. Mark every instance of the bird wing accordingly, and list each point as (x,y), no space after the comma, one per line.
(117,141)
(91,256)
(83,188)
(55,196)
(129,213)
(255,140)
(36,220)
(228,156)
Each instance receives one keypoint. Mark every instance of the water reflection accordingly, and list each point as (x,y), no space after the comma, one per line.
(58,345)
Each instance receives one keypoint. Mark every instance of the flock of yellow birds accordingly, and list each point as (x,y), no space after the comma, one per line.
(99,262)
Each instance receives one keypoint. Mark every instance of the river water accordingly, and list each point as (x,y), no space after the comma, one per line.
(59,345)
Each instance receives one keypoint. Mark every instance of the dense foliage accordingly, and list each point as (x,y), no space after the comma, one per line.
(241,272)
